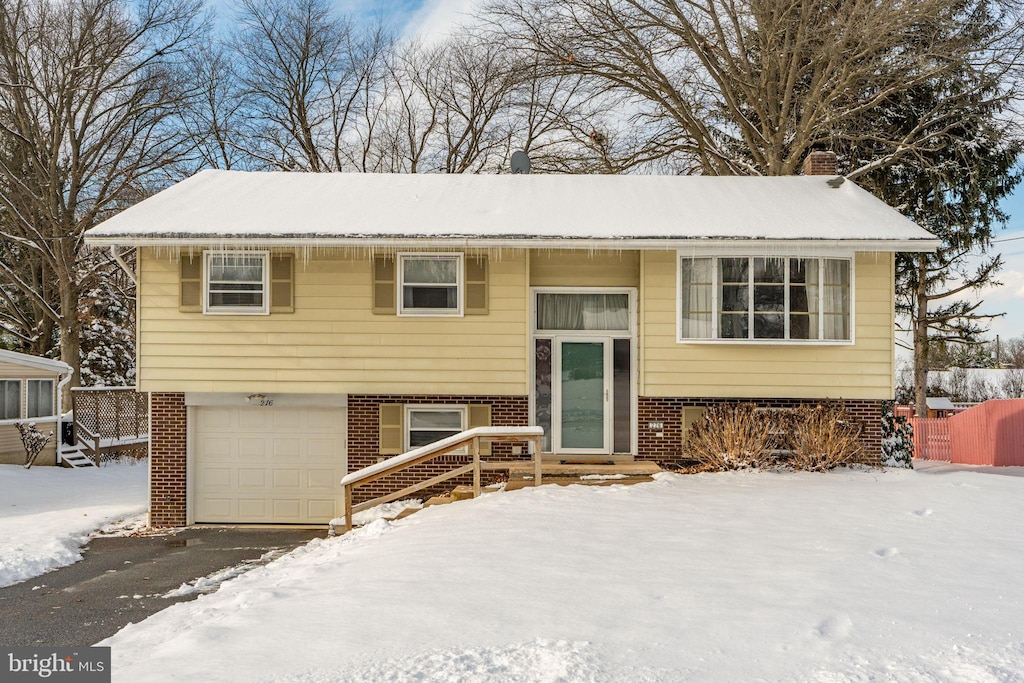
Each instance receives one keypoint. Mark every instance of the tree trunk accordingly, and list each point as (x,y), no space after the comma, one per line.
(71,353)
(920,325)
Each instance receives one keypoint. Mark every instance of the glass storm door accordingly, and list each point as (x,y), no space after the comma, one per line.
(581,395)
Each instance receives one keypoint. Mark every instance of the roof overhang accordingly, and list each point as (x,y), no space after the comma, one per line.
(35,362)
(379,242)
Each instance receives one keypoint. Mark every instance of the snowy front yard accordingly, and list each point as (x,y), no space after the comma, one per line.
(896,576)
(47,513)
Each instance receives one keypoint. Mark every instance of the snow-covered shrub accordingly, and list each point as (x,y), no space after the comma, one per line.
(897,439)
(733,436)
(33,440)
(822,437)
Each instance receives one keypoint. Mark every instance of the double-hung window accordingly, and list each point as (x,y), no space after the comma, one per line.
(10,399)
(236,282)
(430,284)
(796,299)
(40,398)
(427,424)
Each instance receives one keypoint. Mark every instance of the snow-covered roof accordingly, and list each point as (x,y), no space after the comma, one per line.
(592,211)
(35,362)
(939,403)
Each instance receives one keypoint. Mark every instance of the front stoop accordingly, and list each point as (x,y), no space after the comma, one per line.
(521,476)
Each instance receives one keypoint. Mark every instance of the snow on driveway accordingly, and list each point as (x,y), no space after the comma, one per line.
(47,513)
(853,576)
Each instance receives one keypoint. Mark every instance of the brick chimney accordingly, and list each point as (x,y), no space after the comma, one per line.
(820,162)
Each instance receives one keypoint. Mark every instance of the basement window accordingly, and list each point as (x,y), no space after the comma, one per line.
(236,283)
(427,424)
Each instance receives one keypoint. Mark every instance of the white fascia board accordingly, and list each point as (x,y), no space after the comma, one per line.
(55,366)
(648,244)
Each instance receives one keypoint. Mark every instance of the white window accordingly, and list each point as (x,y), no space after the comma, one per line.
(430,284)
(427,424)
(40,398)
(10,399)
(768,299)
(236,282)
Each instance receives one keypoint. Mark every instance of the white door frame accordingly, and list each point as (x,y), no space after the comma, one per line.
(609,335)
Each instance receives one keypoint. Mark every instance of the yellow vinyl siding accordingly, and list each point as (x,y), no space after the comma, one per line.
(863,370)
(333,342)
(584,269)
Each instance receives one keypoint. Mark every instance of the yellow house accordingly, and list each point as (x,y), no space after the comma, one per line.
(294,327)
(30,392)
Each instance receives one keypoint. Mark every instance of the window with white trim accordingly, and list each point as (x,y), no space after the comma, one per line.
(236,282)
(767,299)
(430,284)
(10,399)
(40,398)
(427,424)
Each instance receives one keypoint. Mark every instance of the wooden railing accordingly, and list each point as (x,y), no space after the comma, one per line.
(471,438)
(109,419)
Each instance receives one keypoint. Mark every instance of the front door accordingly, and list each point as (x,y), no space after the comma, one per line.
(581,407)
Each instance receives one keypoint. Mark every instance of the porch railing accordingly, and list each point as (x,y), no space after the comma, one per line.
(109,419)
(471,438)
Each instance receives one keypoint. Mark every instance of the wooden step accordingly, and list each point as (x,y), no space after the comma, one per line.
(631,469)
(77,458)
(516,484)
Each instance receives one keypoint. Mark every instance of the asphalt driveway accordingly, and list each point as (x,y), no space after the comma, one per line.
(121,581)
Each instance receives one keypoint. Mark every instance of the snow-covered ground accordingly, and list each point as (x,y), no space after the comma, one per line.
(47,513)
(852,576)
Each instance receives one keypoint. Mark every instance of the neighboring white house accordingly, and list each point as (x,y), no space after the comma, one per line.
(29,392)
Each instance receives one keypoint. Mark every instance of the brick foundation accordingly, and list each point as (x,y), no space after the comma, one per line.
(364,438)
(668,411)
(168,418)
(167,480)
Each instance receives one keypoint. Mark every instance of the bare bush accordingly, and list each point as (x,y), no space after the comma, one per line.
(821,437)
(33,440)
(733,436)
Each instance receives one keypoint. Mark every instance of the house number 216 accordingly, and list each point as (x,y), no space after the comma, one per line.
(266,402)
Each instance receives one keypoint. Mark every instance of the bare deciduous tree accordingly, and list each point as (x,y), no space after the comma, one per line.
(86,95)
(307,75)
(743,87)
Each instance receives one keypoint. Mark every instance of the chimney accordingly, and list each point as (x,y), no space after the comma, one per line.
(820,162)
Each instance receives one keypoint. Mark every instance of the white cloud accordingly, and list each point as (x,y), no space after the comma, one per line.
(438,18)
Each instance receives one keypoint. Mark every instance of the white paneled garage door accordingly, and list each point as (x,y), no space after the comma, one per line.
(276,465)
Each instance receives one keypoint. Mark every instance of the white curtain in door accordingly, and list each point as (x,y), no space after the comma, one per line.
(558,311)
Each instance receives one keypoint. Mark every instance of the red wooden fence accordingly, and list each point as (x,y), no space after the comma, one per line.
(989,434)
(931,438)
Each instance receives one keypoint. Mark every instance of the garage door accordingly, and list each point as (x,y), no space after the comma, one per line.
(268,465)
